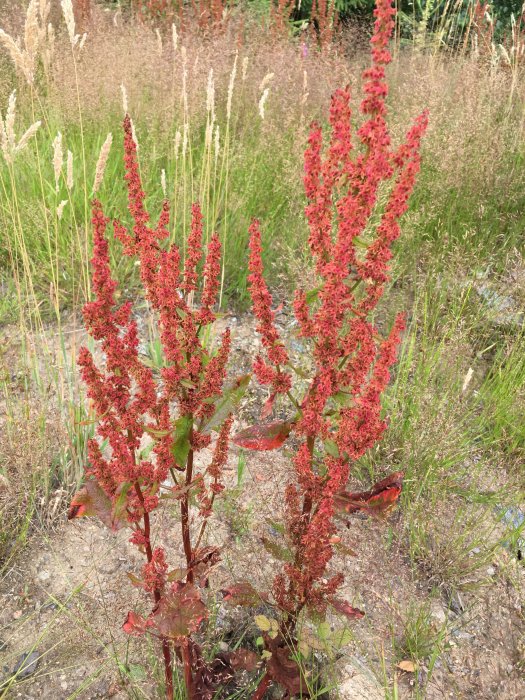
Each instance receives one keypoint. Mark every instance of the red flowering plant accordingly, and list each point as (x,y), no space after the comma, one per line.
(175,408)
(338,417)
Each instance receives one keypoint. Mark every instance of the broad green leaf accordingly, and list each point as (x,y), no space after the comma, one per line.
(276,550)
(331,448)
(340,638)
(231,396)
(181,446)
(263,623)
(312,295)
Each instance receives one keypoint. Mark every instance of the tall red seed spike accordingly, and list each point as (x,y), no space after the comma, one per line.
(194,253)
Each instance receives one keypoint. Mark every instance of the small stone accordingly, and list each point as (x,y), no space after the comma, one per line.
(438,614)
(17,614)
(491,571)
(26,665)
(63,685)
(44,575)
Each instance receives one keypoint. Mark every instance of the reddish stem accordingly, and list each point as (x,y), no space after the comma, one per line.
(166,652)
(262,687)
(186,661)
(185,512)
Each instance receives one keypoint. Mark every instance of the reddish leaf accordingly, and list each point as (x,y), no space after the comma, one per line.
(268,436)
(92,500)
(380,499)
(204,560)
(242,593)
(135,625)
(243,660)
(283,669)
(179,612)
(346,609)
(268,406)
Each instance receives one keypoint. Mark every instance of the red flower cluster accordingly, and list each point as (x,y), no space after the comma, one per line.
(341,410)
(171,406)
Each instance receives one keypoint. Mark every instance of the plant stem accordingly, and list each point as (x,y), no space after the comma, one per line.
(186,660)
(184,510)
(168,669)
(262,687)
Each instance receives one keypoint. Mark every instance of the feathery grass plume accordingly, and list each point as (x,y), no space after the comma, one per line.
(217,144)
(76,40)
(210,96)
(32,31)
(231,85)
(185,139)
(69,18)
(467,380)
(178,138)
(10,122)
(163,182)
(174,37)
(266,81)
(27,136)
(7,131)
(244,68)
(60,208)
(101,162)
(69,171)
(124,98)
(159,41)
(58,158)
(25,59)
(262,102)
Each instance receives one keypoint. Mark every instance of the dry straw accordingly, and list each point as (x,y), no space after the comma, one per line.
(101,162)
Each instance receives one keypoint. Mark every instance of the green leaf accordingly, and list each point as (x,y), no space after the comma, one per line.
(331,448)
(324,631)
(276,550)
(121,501)
(263,623)
(312,295)
(181,446)
(340,638)
(137,672)
(231,396)
(278,527)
